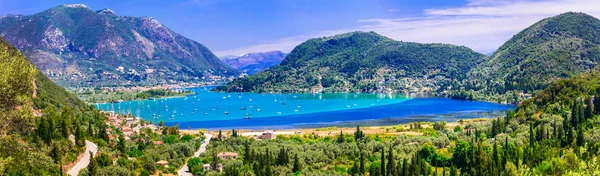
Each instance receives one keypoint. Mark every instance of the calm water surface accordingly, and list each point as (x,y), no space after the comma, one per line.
(212,110)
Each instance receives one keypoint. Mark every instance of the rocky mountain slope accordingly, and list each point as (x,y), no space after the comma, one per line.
(255,62)
(76,46)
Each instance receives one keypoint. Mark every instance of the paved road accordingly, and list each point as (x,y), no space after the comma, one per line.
(185,171)
(83,163)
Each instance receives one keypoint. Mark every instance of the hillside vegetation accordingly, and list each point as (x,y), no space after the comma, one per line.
(557,47)
(37,118)
(554,133)
(363,62)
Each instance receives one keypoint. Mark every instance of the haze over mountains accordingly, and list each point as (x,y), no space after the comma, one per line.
(75,46)
(254,62)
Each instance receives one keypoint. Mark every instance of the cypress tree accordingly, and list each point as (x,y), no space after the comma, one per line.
(444,171)
(505,149)
(495,156)
(121,144)
(404,167)
(220,136)
(358,134)
(383,161)
(282,157)
(597,104)
(575,114)
(580,139)
(341,138)
(362,164)
(93,166)
(589,111)
(297,167)
(531,134)
(247,157)
(391,164)
(453,171)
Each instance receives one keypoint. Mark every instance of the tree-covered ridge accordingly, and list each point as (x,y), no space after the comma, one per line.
(553,48)
(77,46)
(363,62)
(37,118)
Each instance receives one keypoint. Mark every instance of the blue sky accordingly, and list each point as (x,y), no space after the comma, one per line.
(235,27)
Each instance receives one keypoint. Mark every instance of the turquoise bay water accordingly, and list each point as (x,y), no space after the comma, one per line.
(207,109)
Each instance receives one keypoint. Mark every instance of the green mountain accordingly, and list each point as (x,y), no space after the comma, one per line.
(553,48)
(75,45)
(37,118)
(363,62)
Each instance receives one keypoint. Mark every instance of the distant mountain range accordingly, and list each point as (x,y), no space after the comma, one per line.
(254,62)
(363,62)
(554,48)
(77,46)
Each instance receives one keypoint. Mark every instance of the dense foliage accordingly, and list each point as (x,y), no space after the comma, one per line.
(37,118)
(363,62)
(554,48)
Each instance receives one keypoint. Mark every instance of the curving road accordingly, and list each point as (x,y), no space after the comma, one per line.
(185,171)
(83,163)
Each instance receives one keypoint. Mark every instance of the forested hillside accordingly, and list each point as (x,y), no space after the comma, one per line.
(557,47)
(363,62)
(37,118)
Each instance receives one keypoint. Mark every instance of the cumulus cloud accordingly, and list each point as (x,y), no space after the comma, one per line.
(482,25)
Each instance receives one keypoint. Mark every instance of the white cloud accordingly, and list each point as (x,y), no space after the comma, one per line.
(285,45)
(482,25)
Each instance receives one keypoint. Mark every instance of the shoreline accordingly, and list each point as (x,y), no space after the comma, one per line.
(376,122)
(401,128)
